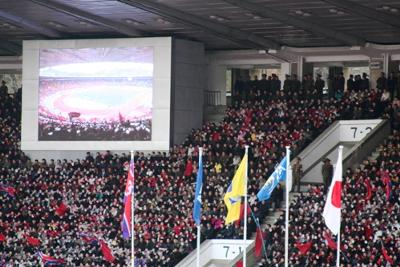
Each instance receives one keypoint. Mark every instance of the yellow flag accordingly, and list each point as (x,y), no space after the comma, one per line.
(235,191)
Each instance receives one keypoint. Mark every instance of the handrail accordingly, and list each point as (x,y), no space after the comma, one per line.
(358,152)
(339,133)
(322,157)
(367,145)
(317,142)
(212,98)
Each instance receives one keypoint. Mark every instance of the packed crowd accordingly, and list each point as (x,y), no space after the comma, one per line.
(370,232)
(57,201)
(310,88)
(52,128)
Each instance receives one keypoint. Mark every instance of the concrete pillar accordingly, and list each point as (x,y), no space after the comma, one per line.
(393,65)
(293,68)
(300,61)
(386,59)
(376,66)
(216,80)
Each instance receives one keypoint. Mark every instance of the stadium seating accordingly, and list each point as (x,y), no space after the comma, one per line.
(370,219)
(58,202)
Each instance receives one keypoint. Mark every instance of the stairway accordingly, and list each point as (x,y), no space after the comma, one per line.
(271,218)
(214,113)
(374,154)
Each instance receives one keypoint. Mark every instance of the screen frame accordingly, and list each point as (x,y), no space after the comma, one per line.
(161,97)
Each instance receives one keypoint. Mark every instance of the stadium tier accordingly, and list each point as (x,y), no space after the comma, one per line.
(200,133)
(61,202)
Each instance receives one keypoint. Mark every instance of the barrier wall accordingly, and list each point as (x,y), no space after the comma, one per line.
(217,252)
(347,133)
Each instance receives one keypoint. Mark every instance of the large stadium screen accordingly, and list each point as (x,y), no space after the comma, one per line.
(95,94)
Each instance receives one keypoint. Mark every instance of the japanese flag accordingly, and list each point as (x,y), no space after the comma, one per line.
(332,207)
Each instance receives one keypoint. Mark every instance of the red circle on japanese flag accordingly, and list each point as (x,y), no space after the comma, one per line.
(336,194)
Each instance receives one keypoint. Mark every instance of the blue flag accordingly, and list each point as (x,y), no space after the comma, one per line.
(277,176)
(197,195)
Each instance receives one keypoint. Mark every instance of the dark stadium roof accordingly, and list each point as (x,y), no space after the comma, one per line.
(220,24)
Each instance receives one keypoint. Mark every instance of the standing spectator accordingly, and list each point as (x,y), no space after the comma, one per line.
(275,84)
(18,94)
(255,83)
(295,85)
(308,84)
(398,84)
(297,169)
(381,82)
(357,83)
(248,83)
(3,88)
(365,82)
(287,84)
(263,83)
(319,86)
(327,173)
(339,86)
(269,81)
(239,87)
(350,83)
(392,85)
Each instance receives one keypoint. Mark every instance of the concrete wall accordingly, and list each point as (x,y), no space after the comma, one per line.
(187,88)
(218,252)
(376,70)
(215,76)
(346,132)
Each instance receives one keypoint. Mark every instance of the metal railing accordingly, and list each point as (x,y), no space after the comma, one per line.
(364,149)
(212,98)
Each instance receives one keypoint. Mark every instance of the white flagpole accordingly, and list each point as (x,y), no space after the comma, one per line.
(198,247)
(287,208)
(198,226)
(340,151)
(133,217)
(338,250)
(245,210)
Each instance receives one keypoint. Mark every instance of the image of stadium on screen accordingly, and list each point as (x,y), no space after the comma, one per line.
(95,94)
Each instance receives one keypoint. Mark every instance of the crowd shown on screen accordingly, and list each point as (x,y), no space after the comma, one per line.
(60,122)
(58,201)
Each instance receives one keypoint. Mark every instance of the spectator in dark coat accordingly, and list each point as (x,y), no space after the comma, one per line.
(350,83)
(381,82)
(392,84)
(319,86)
(297,172)
(365,82)
(327,173)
